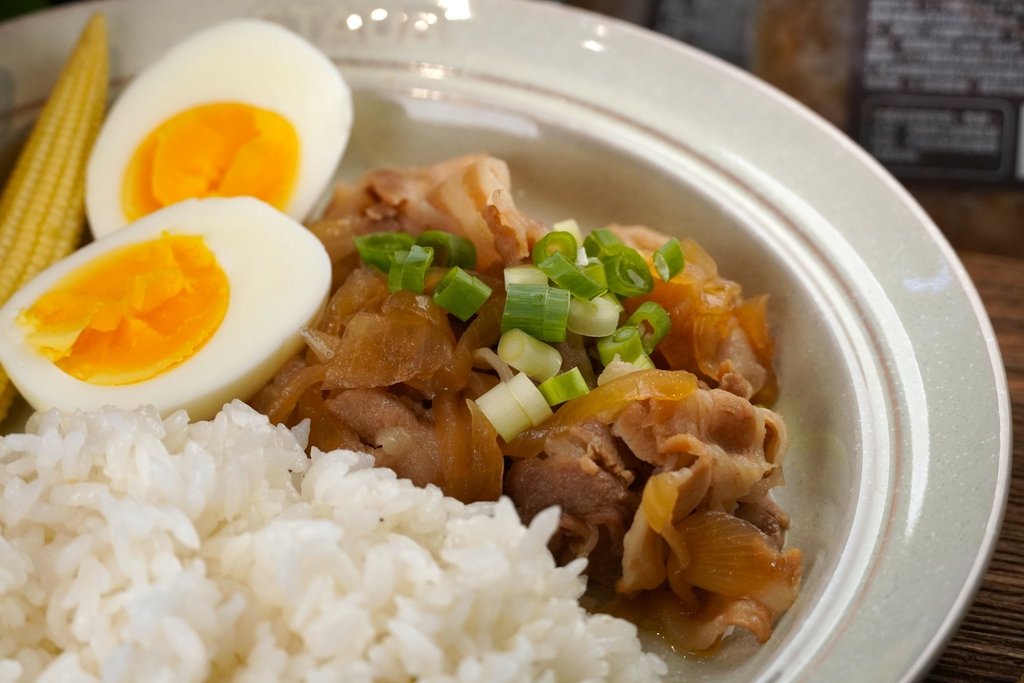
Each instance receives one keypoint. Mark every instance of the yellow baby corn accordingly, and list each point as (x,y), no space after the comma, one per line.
(42,209)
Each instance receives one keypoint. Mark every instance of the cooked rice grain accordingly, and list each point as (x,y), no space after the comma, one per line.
(141,549)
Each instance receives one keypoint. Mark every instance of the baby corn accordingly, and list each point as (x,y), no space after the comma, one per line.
(42,209)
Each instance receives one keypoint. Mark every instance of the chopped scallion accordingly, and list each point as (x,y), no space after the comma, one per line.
(653,323)
(409,269)
(566,275)
(449,249)
(377,248)
(525,275)
(529,398)
(554,242)
(668,259)
(564,387)
(503,411)
(594,269)
(538,310)
(614,300)
(644,362)
(529,355)
(460,293)
(598,317)
(570,226)
(623,342)
(514,405)
(627,272)
(601,242)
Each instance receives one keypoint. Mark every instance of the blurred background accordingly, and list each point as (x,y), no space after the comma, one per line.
(933,89)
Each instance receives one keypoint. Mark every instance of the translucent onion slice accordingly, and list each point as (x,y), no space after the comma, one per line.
(643,557)
(734,558)
(409,338)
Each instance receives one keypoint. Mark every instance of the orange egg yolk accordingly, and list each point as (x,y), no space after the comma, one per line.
(226,149)
(133,313)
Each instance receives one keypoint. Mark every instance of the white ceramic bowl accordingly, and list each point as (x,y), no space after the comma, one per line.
(890,377)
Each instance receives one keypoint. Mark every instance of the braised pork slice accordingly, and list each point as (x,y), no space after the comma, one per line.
(468,195)
(767,516)
(574,355)
(514,232)
(399,435)
(739,370)
(587,475)
(742,442)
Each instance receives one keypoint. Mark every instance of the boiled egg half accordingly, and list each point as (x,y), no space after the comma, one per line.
(243,108)
(190,307)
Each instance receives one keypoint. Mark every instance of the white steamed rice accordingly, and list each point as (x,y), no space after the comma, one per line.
(141,549)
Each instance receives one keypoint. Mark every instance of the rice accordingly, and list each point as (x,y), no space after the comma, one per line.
(141,549)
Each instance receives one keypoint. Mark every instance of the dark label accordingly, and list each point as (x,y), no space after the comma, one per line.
(938,88)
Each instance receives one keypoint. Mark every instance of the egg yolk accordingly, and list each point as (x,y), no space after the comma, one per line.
(225,149)
(133,313)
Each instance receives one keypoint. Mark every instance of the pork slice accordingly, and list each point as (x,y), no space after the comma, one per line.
(394,186)
(733,435)
(389,425)
(574,355)
(739,370)
(585,474)
(593,444)
(348,199)
(514,232)
(767,516)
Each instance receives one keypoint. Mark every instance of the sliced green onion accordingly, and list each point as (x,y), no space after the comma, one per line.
(449,249)
(564,387)
(614,301)
(409,269)
(627,272)
(538,310)
(460,293)
(652,321)
(377,248)
(514,405)
(644,362)
(503,411)
(525,275)
(594,269)
(566,275)
(554,242)
(598,317)
(602,242)
(668,259)
(624,343)
(529,398)
(529,355)
(570,226)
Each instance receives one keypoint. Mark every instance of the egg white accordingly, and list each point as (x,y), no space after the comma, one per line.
(279,276)
(242,60)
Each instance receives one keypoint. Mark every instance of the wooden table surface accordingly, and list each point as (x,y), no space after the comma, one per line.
(989,645)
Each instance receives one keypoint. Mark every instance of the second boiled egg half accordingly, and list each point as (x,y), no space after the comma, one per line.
(190,307)
(243,108)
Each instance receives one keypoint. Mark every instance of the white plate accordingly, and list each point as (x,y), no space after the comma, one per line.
(890,376)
